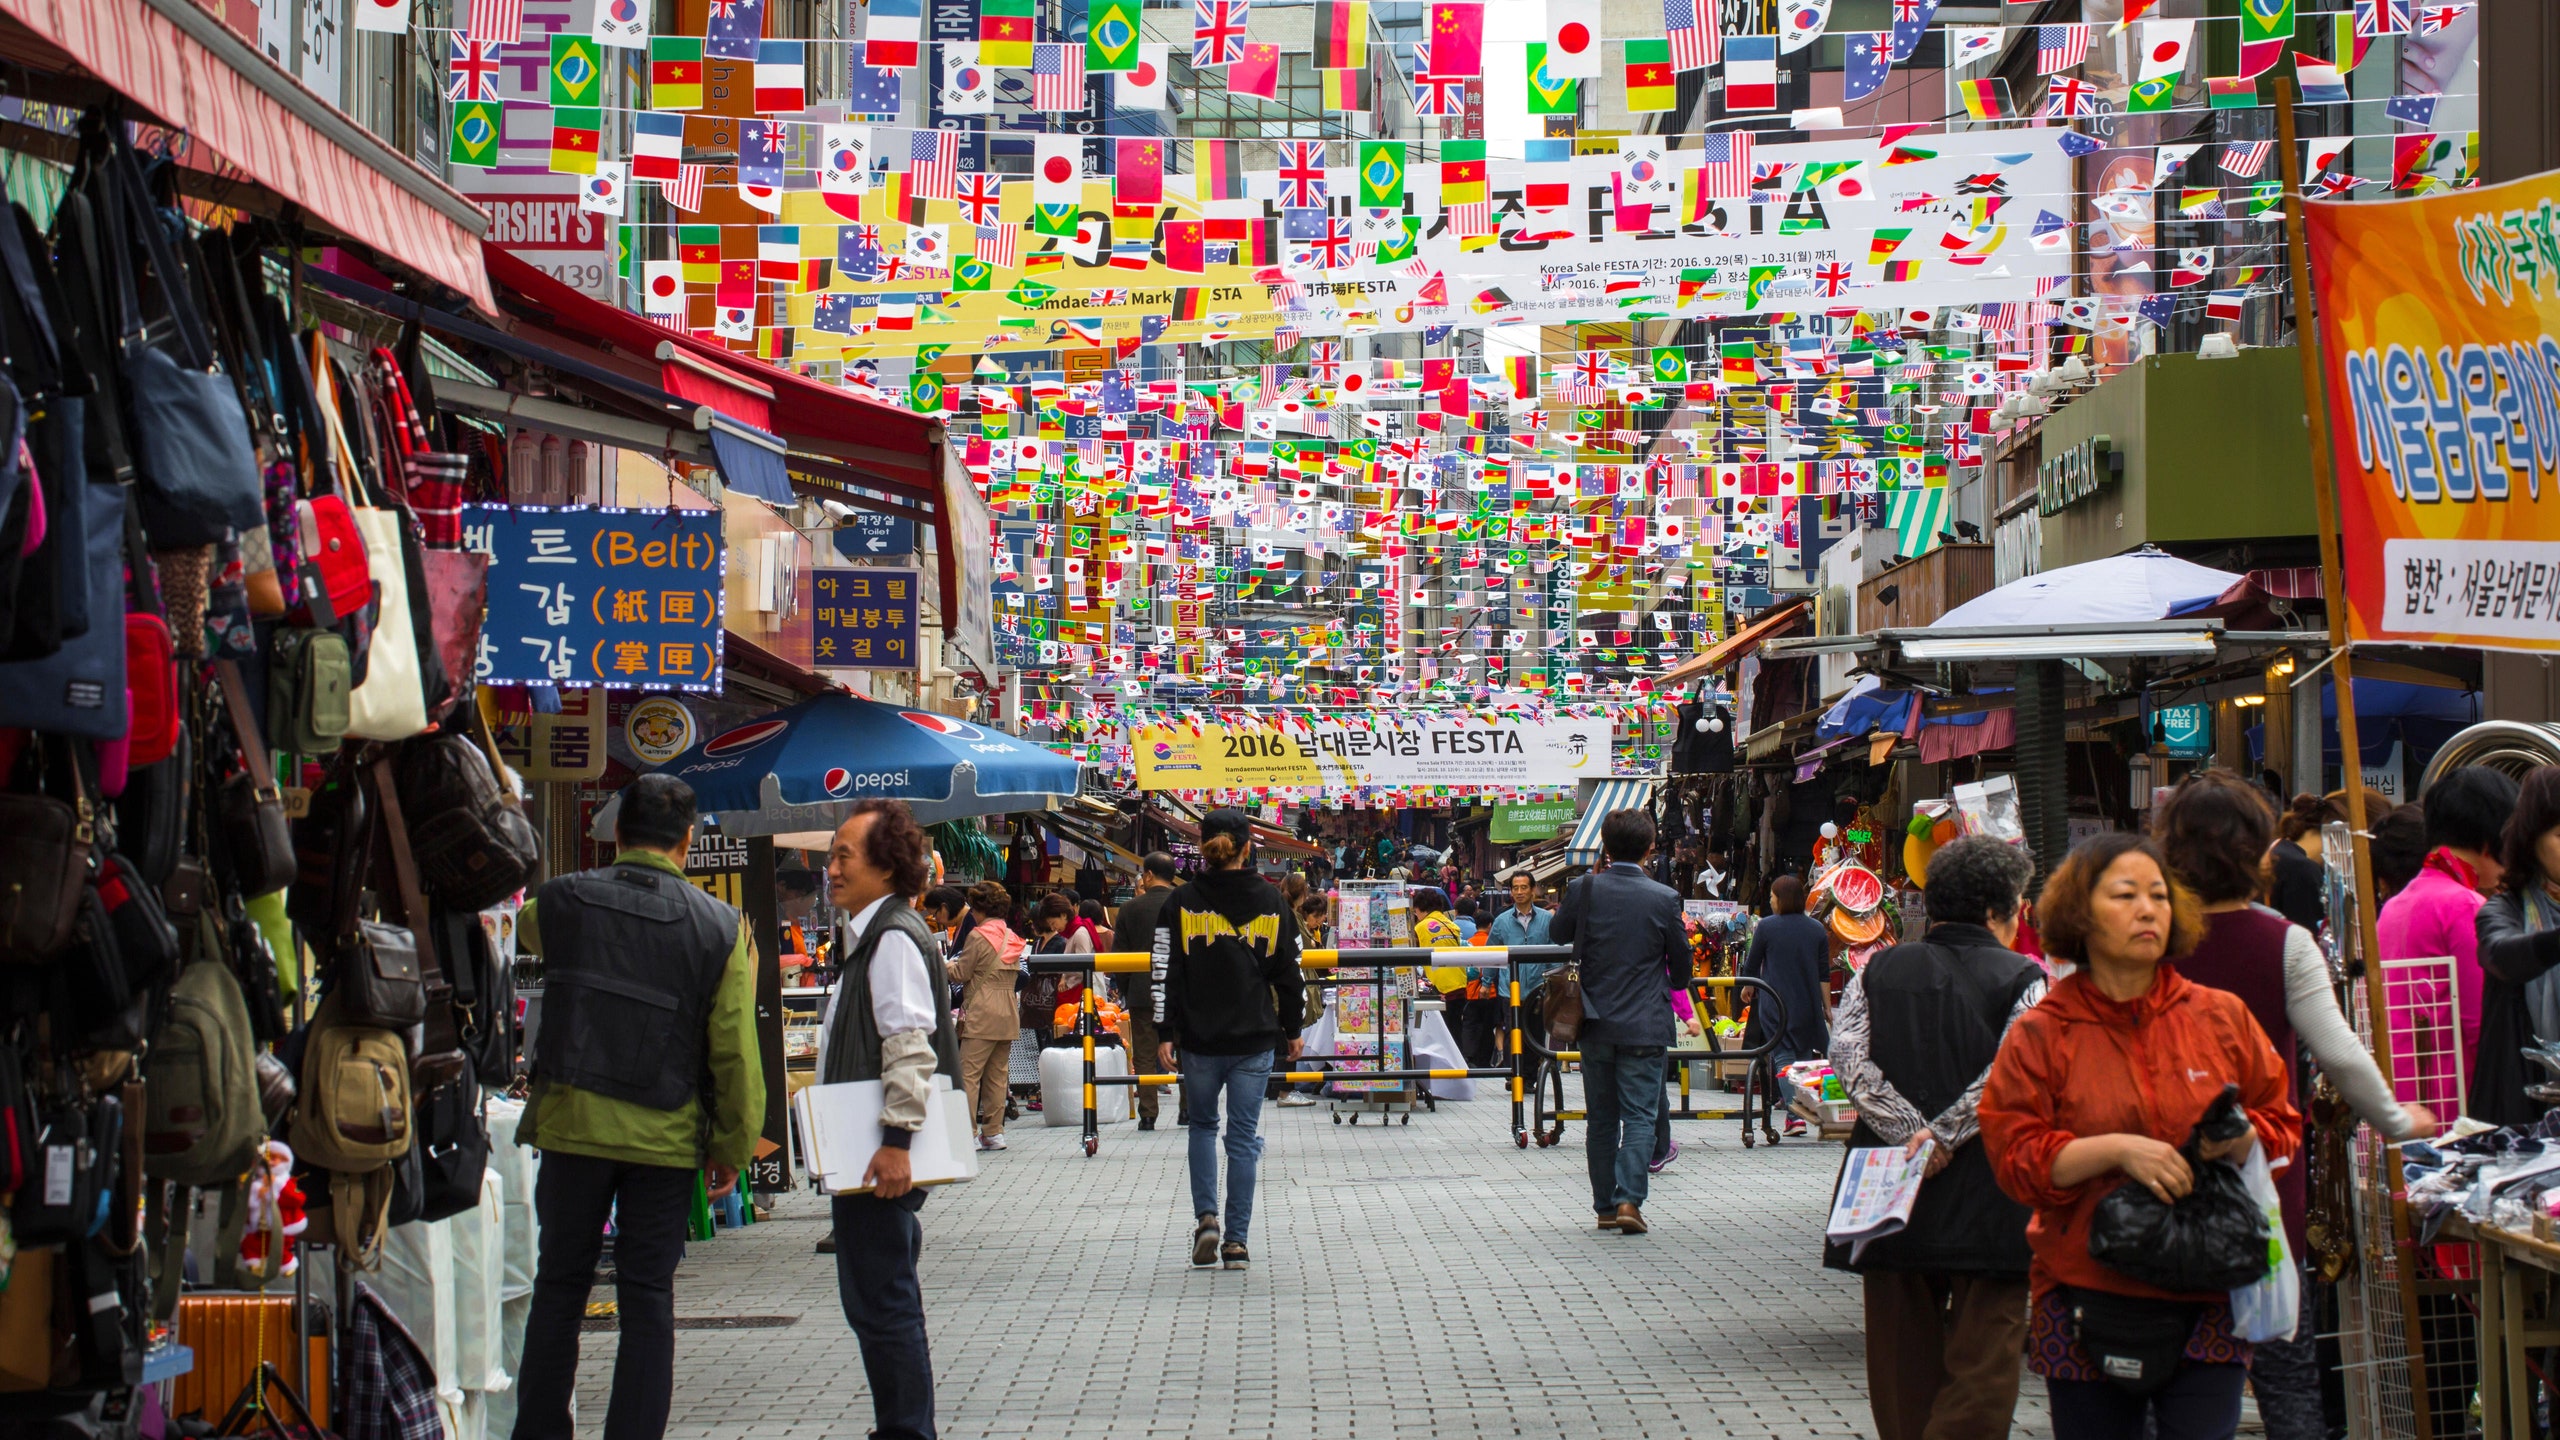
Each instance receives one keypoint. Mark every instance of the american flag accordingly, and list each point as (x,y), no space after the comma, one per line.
(2059,47)
(685,191)
(996,246)
(496,22)
(2245,158)
(933,164)
(1057,77)
(1218,31)
(1724,166)
(471,70)
(1693,46)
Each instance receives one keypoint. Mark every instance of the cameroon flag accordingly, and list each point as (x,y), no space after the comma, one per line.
(1651,84)
(698,250)
(1883,242)
(475,134)
(576,136)
(675,72)
(1004,33)
(1461,172)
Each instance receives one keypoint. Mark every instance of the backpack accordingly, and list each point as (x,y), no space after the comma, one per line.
(202,1120)
(308,682)
(473,844)
(352,1115)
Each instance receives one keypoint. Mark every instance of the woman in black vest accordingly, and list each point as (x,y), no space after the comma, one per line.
(1915,1034)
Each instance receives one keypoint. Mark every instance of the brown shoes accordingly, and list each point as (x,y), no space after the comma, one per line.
(1629,1220)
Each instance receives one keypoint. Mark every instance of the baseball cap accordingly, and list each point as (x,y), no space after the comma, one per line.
(1231,823)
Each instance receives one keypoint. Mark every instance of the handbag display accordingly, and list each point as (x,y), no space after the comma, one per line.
(439,1059)
(45,846)
(390,701)
(249,808)
(337,578)
(79,689)
(310,679)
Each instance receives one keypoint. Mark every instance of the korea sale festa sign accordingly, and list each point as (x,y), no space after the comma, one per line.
(1380,752)
(2440,336)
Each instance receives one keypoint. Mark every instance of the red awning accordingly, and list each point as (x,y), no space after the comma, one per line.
(187,70)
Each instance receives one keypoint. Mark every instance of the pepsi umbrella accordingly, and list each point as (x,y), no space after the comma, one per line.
(804,768)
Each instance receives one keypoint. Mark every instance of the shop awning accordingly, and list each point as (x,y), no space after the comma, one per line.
(1265,837)
(1607,798)
(180,65)
(1736,645)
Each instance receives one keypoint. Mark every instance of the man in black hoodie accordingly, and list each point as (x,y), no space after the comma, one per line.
(1228,993)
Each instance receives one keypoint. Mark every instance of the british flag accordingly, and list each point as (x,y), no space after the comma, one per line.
(1333,248)
(1724,166)
(1302,184)
(2434,18)
(1693,46)
(980,194)
(1218,31)
(1832,278)
(471,70)
(1057,77)
(2069,96)
(2060,47)
(2377,18)
(933,164)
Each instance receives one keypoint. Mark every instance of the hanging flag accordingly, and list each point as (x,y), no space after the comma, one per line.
(2061,47)
(684,192)
(891,39)
(1111,36)
(475,134)
(1257,74)
(1218,30)
(782,76)
(1692,45)
(2323,85)
(1382,174)
(471,70)
(1650,79)
(661,287)
(1350,91)
(2149,95)
(2377,18)
(1057,77)
(2231,92)
(1724,165)
(1342,34)
(1142,86)
(2068,97)
(1216,175)
(1750,73)
(1986,99)
(2224,304)
(1800,23)
(1462,172)
(1137,171)
(1910,22)
(2266,27)
(1967,44)
(675,72)
(2195,266)
(2345,45)
(1005,32)
(933,163)
(1549,93)
(1302,174)
(698,252)
(871,90)
(576,136)
(844,167)
(2166,46)
(657,145)
(1457,38)
(1057,170)
(574,77)
(495,22)
(390,17)
(968,86)
(1572,41)
(623,24)
(777,252)
(735,27)
(1866,59)
(2419,110)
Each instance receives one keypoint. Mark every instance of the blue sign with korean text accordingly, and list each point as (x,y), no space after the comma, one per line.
(594,596)
(867,536)
(866,619)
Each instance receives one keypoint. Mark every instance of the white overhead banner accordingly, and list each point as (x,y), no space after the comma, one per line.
(1381,752)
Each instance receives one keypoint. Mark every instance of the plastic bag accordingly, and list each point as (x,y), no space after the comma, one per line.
(2270,1308)
(2214,1238)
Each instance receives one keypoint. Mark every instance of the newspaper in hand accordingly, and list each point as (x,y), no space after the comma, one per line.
(1877,1189)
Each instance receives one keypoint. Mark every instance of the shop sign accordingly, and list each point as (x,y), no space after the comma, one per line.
(589,596)
(867,535)
(2440,346)
(865,619)
(659,729)
(1514,823)
(737,871)
(2075,473)
(2390,779)
(1378,751)
(2184,731)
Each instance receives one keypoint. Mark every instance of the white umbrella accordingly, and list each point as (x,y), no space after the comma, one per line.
(2145,584)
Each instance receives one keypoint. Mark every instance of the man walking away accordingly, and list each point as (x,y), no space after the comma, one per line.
(1157,875)
(645,1072)
(1913,1042)
(1227,993)
(1791,951)
(1626,930)
(889,1021)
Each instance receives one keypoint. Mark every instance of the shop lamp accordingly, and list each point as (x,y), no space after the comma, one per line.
(2218,346)
(2073,370)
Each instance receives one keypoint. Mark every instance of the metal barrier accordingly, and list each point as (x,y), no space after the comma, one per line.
(1773,1024)
(1384,959)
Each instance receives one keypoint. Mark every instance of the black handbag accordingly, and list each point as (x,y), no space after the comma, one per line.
(184,417)
(452,1149)
(256,836)
(377,981)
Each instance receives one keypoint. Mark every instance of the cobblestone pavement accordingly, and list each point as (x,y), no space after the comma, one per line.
(1422,1280)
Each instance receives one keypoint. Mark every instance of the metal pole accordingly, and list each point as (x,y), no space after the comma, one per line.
(1084,1030)
(2333,575)
(1519,1117)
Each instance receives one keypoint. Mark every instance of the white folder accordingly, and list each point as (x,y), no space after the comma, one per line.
(840,1131)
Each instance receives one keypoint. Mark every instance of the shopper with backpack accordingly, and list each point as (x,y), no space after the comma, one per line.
(645,1072)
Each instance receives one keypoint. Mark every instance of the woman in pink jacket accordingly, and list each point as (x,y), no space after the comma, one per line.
(2433,916)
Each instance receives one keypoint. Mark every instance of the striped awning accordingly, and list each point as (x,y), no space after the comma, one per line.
(1607,798)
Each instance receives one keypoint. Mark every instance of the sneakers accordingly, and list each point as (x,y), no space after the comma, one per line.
(1658,1166)
(1794,1127)
(1233,1256)
(990,1142)
(1296,1098)
(1204,1243)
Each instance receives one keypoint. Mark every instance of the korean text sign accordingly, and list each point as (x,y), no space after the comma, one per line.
(866,619)
(2440,338)
(600,596)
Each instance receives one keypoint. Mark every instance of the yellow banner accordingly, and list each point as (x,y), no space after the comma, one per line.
(1374,752)
(2440,335)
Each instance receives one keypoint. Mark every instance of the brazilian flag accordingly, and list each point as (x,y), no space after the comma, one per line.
(2151,95)
(1053,220)
(1028,293)
(1402,247)
(1111,37)
(972,273)
(1670,366)
(575,74)
(924,393)
(475,134)
(1381,174)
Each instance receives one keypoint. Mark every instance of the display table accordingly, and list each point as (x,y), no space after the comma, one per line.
(2510,1262)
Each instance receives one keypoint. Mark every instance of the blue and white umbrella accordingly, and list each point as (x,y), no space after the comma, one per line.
(804,768)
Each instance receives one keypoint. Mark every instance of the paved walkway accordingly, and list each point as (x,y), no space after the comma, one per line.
(1422,1280)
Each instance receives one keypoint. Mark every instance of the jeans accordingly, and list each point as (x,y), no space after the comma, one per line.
(2200,1402)
(649,1205)
(1784,1090)
(1622,1094)
(1242,1078)
(877,1242)
(1662,1125)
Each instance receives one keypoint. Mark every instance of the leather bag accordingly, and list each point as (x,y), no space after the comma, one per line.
(45,847)
(249,808)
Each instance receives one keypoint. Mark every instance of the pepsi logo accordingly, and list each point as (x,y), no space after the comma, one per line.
(744,738)
(839,782)
(1573,37)
(942,725)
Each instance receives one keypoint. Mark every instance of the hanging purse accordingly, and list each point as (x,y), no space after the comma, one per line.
(45,845)
(249,808)
(390,703)
(439,1059)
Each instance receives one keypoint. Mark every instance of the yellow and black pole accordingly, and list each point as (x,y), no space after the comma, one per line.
(1519,1092)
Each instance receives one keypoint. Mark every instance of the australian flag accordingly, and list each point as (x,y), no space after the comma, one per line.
(1910,22)
(1868,59)
(835,314)
(858,252)
(734,29)
(762,146)
(2158,308)
(1119,393)
(871,90)
(2412,109)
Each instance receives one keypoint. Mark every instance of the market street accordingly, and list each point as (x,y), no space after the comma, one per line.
(1429,1280)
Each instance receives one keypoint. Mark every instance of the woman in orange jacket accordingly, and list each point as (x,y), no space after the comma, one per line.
(2098,1087)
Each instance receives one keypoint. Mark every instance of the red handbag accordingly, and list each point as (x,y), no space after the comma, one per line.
(335,574)
(151,680)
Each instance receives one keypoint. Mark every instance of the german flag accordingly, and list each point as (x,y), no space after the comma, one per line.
(698,249)
(1342,34)
(1347,90)
(1190,302)
(1217,175)
(1901,270)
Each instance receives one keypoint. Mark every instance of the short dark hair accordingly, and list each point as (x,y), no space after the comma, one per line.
(796,881)
(2399,848)
(1626,834)
(657,813)
(1161,866)
(1977,878)
(1786,895)
(990,899)
(894,844)
(1091,910)
(2468,807)
(947,899)
(1056,906)
(2217,828)
(2537,810)
(1428,898)
(2062,909)
(1519,875)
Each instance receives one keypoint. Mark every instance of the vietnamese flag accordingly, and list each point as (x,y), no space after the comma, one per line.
(1457,38)
(577,134)
(1184,247)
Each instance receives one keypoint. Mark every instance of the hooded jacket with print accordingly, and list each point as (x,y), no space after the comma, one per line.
(1225,966)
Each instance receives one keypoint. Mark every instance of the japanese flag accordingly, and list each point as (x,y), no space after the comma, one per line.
(767,198)
(662,287)
(1352,388)
(1573,39)
(2166,46)
(1057,170)
(1142,88)
(386,17)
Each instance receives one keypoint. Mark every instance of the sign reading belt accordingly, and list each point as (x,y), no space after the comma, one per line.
(594,596)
